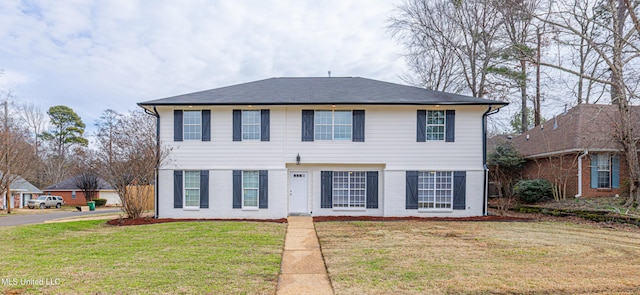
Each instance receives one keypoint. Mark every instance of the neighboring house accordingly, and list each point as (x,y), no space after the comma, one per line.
(321,146)
(578,151)
(22,191)
(73,195)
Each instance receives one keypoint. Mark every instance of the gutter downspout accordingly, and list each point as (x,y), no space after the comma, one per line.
(155,186)
(485,187)
(579,194)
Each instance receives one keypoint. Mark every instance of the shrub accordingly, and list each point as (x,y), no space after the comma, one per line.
(100,202)
(532,191)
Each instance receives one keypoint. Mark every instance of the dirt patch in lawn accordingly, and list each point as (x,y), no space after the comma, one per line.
(415,218)
(150,220)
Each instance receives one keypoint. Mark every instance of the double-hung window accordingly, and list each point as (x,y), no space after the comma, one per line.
(251,125)
(192,121)
(250,189)
(192,189)
(435,190)
(435,125)
(333,125)
(349,189)
(604,170)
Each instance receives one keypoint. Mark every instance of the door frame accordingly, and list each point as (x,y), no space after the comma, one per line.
(291,173)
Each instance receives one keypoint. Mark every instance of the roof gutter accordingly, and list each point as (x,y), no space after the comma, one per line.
(579,194)
(485,193)
(155,185)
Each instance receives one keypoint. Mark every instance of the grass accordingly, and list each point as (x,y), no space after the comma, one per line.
(479,257)
(170,258)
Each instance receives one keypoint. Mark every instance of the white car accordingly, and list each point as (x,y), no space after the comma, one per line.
(46,202)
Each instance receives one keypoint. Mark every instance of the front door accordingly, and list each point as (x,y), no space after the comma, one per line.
(299,192)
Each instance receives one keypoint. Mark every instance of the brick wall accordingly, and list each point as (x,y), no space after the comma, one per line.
(565,169)
(67,196)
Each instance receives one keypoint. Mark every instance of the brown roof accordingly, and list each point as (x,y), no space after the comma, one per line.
(586,126)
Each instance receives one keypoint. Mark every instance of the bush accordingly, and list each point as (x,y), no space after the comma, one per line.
(100,202)
(532,191)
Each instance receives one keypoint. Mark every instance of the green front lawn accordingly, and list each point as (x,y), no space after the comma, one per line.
(171,258)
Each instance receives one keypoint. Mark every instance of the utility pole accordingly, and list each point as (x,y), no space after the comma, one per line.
(6,156)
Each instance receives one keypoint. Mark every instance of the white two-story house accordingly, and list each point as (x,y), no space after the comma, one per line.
(321,146)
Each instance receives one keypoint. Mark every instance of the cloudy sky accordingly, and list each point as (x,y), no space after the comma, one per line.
(95,55)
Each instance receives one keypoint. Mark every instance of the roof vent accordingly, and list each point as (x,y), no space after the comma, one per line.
(329,72)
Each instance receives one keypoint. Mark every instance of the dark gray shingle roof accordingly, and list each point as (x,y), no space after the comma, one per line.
(335,90)
(69,184)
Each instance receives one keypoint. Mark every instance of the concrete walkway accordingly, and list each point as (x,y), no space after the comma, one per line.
(302,270)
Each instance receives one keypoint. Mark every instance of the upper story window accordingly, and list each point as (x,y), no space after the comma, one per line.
(192,125)
(250,125)
(435,125)
(333,125)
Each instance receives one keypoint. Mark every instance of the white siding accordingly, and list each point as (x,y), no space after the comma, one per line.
(390,147)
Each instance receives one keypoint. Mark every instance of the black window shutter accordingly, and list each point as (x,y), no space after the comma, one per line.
(450,132)
(237,189)
(264,125)
(422,126)
(326,188)
(307,125)
(177,189)
(412,190)
(177,125)
(459,190)
(372,189)
(206,125)
(204,188)
(358,126)
(237,125)
(263,198)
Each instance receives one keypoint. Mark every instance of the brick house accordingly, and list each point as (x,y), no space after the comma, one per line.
(73,195)
(577,151)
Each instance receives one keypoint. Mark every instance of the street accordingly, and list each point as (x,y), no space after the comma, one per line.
(19,219)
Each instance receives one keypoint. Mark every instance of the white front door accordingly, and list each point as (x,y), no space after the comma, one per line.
(299,192)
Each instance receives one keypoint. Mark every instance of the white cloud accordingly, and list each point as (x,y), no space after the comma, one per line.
(111,54)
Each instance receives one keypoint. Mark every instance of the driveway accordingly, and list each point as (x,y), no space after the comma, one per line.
(42,217)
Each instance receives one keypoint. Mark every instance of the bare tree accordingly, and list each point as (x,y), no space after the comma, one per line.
(15,153)
(135,155)
(88,182)
(451,44)
(617,44)
(36,121)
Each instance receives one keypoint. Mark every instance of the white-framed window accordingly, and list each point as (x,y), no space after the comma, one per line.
(250,189)
(73,195)
(435,190)
(192,125)
(192,189)
(251,125)
(333,125)
(604,170)
(436,121)
(349,189)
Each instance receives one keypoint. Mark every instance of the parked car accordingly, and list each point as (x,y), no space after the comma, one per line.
(46,202)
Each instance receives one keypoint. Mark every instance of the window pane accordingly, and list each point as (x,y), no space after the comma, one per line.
(192,127)
(349,189)
(333,125)
(250,125)
(250,182)
(435,125)
(435,189)
(192,188)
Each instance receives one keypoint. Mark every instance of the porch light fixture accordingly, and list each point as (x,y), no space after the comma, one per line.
(298,159)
